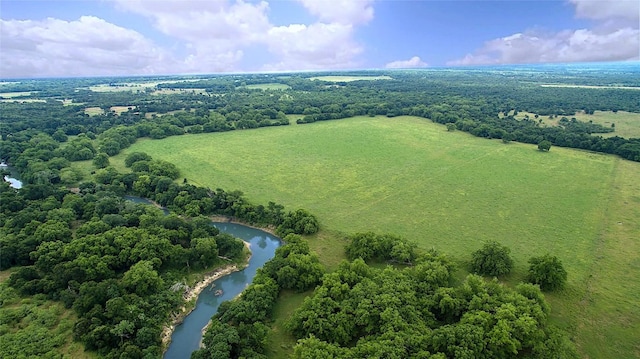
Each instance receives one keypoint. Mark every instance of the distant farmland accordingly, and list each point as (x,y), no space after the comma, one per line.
(449,191)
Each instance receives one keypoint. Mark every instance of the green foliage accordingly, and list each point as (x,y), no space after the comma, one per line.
(387,247)
(112,270)
(298,222)
(547,271)
(359,312)
(544,145)
(134,157)
(293,266)
(32,327)
(101,160)
(239,328)
(492,259)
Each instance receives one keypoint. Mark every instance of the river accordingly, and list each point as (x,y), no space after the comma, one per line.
(187,336)
(13,178)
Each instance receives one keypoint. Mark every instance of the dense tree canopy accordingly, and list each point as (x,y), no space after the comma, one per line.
(362,312)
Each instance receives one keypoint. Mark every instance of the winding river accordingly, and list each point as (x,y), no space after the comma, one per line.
(187,336)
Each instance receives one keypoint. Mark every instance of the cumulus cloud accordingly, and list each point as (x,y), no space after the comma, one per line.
(87,46)
(317,46)
(615,37)
(214,32)
(405,64)
(567,46)
(217,32)
(341,11)
(213,36)
(607,9)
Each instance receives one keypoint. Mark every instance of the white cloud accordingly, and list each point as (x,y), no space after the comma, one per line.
(87,46)
(615,37)
(607,9)
(217,32)
(317,46)
(567,46)
(405,64)
(213,36)
(341,11)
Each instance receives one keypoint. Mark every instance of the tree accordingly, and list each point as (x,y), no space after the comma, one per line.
(101,160)
(135,157)
(451,127)
(544,145)
(547,271)
(142,279)
(492,259)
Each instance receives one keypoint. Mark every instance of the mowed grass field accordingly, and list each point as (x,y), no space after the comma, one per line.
(450,191)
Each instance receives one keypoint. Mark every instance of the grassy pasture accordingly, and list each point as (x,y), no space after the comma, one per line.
(451,191)
(349,78)
(22,100)
(8,95)
(591,86)
(627,124)
(269,86)
(170,91)
(94,111)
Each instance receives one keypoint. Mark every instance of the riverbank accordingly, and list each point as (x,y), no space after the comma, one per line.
(227,219)
(191,295)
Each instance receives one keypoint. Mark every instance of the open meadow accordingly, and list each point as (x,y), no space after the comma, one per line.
(269,86)
(626,124)
(450,191)
(349,78)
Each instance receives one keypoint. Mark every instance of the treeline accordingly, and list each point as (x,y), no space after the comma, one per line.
(240,327)
(408,311)
(192,200)
(363,312)
(472,100)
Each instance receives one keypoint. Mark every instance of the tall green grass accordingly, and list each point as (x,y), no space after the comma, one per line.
(446,190)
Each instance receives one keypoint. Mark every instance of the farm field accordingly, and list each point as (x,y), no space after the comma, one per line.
(450,191)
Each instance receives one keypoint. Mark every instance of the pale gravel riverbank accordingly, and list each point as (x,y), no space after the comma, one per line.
(193,293)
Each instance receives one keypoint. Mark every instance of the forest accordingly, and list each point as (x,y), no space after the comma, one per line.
(117,268)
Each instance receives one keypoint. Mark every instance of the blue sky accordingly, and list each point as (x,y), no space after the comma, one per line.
(138,37)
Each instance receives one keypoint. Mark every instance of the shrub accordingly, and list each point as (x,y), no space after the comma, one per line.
(492,259)
(547,271)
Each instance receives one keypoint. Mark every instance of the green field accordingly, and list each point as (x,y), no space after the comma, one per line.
(451,191)
(349,78)
(15,94)
(269,86)
(627,124)
(591,87)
